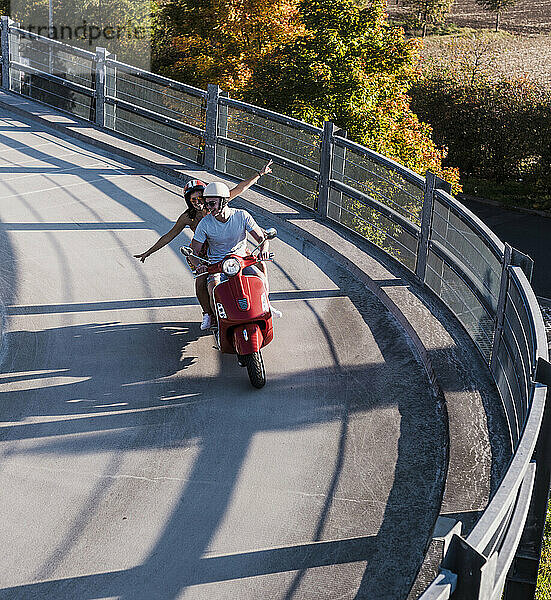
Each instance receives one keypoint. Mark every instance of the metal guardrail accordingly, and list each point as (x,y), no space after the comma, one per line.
(412,218)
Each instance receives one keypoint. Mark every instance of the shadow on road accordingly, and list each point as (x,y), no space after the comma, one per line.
(121,401)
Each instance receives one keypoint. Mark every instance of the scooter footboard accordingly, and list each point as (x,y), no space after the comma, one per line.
(247,338)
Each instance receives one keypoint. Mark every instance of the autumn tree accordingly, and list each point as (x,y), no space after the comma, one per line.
(219,41)
(351,67)
(429,11)
(497,7)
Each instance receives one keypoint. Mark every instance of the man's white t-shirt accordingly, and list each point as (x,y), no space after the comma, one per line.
(225,238)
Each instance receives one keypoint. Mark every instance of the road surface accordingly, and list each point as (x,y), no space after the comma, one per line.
(137,462)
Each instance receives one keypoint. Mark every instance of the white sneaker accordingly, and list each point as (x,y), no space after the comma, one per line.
(275,312)
(206,322)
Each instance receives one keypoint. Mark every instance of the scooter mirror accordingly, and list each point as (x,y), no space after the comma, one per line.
(271,233)
(186,250)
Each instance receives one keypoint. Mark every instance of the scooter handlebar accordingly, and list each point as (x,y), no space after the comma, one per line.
(217,267)
(188,252)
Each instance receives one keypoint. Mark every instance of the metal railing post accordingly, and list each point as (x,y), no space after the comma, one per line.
(14,82)
(213,94)
(432,183)
(110,112)
(475,573)
(426,224)
(5,44)
(500,310)
(101,55)
(221,152)
(326,157)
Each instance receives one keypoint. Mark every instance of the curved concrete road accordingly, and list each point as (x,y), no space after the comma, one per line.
(138,463)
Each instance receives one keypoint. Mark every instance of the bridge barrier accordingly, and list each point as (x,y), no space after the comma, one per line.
(484,282)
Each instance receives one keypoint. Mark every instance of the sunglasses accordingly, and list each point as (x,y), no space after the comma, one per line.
(211,203)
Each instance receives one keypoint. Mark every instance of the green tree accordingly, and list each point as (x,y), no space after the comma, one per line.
(497,7)
(351,67)
(495,130)
(429,11)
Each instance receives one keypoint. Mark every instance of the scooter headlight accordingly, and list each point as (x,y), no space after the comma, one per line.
(231,266)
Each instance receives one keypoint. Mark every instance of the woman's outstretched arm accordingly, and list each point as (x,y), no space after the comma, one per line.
(165,239)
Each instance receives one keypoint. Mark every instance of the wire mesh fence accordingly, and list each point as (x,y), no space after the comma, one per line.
(374,226)
(156,134)
(466,244)
(247,139)
(272,136)
(52,73)
(516,354)
(384,185)
(155,110)
(459,297)
(158,98)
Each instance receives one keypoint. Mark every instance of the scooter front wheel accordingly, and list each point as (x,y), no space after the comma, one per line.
(255,369)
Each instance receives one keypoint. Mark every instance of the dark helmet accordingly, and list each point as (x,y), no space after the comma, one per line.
(193,185)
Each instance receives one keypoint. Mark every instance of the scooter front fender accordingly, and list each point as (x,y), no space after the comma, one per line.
(247,338)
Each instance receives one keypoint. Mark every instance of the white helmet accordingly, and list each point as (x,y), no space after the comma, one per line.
(216,189)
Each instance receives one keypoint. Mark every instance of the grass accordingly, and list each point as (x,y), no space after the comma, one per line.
(543,591)
(509,193)
(499,54)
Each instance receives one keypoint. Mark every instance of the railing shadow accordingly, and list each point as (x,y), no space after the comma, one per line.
(140,391)
(142,381)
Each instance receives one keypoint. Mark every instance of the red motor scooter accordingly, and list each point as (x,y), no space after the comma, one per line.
(242,310)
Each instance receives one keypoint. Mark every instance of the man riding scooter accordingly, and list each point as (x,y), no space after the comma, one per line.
(193,195)
(225,229)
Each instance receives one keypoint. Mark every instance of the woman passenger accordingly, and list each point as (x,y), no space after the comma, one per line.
(193,196)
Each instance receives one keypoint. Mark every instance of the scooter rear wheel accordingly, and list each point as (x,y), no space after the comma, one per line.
(255,369)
